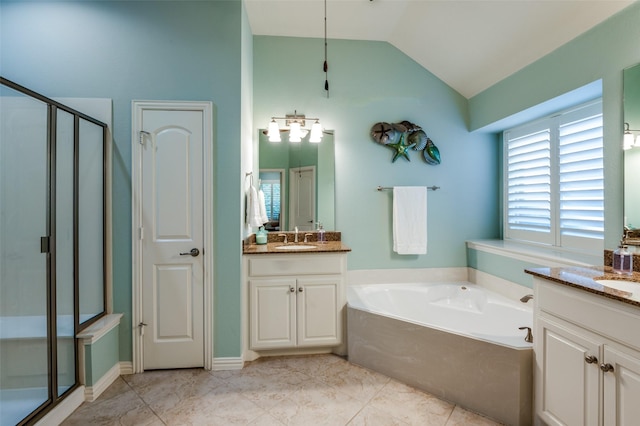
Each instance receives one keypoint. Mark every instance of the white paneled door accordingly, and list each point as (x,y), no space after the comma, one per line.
(172,238)
(302,198)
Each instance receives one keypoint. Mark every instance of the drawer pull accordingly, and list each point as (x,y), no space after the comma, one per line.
(590,359)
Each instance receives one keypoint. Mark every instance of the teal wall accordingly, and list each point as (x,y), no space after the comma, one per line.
(203,50)
(101,356)
(143,50)
(372,82)
(599,54)
(499,266)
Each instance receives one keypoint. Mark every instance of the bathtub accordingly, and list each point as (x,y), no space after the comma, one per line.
(455,340)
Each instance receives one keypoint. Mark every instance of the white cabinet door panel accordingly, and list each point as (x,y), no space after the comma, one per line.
(272,313)
(568,383)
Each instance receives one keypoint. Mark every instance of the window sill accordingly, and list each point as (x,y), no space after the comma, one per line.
(545,256)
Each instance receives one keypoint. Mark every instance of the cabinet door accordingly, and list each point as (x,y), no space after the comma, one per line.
(567,385)
(272,313)
(319,314)
(621,387)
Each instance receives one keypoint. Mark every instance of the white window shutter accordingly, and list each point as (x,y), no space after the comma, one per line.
(554,180)
(528,193)
(581,175)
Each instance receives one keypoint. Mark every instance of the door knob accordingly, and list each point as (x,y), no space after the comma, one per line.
(606,367)
(193,252)
(590,359)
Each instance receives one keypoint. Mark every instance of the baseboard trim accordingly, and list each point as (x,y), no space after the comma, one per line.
(63,409)
(126,367)
(91,393)
(228,363)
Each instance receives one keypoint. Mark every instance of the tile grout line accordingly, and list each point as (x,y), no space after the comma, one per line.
(144,402)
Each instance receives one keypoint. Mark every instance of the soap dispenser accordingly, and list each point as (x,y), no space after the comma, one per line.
(261,236)
(321,236)
(622,260)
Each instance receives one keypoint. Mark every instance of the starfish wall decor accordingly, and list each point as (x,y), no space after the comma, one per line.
(402,138)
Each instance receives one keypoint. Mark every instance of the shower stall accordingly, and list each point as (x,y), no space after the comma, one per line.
(52,247)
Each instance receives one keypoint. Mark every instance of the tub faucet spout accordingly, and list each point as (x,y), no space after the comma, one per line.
(526,298)
(529,337)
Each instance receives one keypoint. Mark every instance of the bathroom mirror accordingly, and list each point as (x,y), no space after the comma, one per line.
(301,178)
(631,98)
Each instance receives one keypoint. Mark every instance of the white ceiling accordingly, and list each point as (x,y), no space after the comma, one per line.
(468,44)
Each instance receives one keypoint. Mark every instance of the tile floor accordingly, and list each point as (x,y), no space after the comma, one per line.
(310,390)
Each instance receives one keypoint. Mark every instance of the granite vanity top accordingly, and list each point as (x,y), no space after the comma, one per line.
(333,243)
(584,278)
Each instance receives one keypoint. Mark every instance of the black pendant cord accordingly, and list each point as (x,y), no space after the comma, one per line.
(325,67)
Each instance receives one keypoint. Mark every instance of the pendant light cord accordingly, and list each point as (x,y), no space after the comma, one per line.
(325,67)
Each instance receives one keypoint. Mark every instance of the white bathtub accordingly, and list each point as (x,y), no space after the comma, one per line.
(458,341)
(461,307)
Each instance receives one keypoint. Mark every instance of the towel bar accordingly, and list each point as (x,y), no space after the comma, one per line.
(382,188)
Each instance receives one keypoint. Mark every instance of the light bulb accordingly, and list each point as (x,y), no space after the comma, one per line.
(274,132)
(295,133)
(316,132)
(627,141)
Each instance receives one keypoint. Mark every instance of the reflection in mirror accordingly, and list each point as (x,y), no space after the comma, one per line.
(283,157)
(631,83)
(272,184)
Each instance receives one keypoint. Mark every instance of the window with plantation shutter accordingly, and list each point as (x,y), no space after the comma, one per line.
(554,182)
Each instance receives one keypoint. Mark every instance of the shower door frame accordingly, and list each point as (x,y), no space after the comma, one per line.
(48,246)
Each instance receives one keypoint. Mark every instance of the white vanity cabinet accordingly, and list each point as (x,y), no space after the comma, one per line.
(296,300)
(587,358)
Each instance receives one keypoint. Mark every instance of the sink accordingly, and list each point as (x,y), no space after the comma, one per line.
(623,285)
(295,247)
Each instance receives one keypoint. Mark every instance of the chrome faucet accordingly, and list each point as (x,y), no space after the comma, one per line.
(285,237)
(306,237)
(296,239)
(525,299)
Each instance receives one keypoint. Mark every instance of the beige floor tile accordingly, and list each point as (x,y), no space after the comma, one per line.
(219,407)
(355,381)
(370,416)
(462,417)
(316,403)
(278,391)
(411,405)
(117,405)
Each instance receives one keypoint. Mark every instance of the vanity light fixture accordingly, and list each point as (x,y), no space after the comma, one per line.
(295,125)
(629,138)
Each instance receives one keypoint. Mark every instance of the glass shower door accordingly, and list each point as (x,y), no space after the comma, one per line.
(24,212)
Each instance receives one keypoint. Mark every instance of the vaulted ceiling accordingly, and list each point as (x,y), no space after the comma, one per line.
(468,44)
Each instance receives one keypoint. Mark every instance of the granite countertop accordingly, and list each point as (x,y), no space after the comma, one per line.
(584,278)
(333,243)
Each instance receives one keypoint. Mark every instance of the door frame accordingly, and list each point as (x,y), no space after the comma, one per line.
(137,107)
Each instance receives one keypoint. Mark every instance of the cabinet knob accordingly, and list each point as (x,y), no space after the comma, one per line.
(292,289)
(300,289)
(606,367)
(590,359)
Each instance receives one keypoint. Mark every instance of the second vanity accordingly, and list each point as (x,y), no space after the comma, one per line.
(587,348)
(294,296)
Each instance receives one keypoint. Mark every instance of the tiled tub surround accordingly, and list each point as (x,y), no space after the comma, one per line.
(332,243)
(472,371)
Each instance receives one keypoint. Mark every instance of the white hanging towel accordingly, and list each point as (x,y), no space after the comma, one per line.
(263,207)
(253,208)
(410,219)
